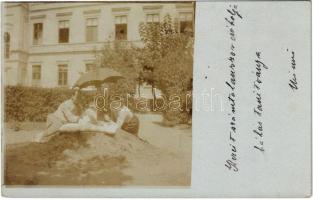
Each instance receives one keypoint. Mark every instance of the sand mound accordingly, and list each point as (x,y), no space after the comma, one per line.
(99,144)
(73,158)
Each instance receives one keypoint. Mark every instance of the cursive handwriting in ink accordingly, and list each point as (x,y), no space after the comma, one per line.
(232,16)
(258,108)
(293,82)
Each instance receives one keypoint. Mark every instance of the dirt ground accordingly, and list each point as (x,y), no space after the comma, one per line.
(160,157)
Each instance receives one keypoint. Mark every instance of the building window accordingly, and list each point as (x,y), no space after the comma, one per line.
(36,75)
(64,31)
(37,35)
(153,19)
(186,22)
(92,30)
(7,45)
(121,27)
(62,79)
(90,67)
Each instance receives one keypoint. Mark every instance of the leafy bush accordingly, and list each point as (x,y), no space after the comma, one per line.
(121,57)
(34,104)
(167,60)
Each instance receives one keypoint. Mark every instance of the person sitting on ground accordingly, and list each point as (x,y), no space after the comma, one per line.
(67,112)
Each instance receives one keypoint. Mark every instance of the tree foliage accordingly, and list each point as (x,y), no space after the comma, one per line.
(165,60)
(120,56)
(167,63)
(167,56)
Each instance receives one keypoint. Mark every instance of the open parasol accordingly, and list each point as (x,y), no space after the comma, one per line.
(97,77)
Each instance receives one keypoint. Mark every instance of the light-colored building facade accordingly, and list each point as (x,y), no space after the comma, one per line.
(51,44)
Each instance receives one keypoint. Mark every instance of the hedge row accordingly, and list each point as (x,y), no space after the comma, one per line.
(32,104)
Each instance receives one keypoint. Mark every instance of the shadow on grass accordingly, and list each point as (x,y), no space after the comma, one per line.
(163,124)
(172,125)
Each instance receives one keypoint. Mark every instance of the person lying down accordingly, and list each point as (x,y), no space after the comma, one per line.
(88,123)
(64,120)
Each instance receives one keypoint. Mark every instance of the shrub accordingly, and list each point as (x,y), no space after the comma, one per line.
(167,60)
(122,58)
(34,104)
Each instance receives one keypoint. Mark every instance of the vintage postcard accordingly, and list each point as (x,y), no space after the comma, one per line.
(156,99)
(89,97)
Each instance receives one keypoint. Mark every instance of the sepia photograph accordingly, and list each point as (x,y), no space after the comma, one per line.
(97,93)
(156,99)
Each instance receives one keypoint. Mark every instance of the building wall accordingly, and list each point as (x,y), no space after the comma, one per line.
(15,23)
(20,19)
